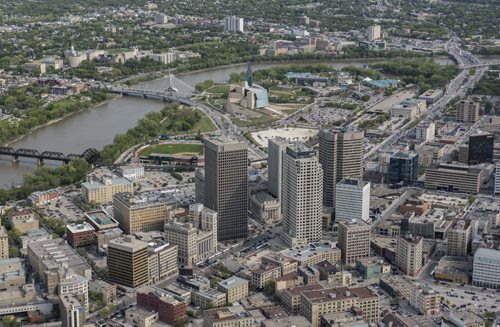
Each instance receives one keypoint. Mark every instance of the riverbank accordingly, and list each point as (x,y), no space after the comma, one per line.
(282,62)
(112,97)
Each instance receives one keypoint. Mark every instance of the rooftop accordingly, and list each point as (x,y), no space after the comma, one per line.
(80,228)
(127,243)
(339,293)
(100,218)
(233,282)
(304,252)
(484,253)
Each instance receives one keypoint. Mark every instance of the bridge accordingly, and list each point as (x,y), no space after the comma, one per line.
(91,155)
(479,65)
(172,92)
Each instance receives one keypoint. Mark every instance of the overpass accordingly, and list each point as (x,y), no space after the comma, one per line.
(91,155)
(479,65)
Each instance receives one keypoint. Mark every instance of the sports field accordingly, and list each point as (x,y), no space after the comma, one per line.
(173,149)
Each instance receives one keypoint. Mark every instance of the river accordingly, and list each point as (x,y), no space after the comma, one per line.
(96,127)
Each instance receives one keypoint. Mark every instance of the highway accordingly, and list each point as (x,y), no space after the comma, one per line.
(456,88)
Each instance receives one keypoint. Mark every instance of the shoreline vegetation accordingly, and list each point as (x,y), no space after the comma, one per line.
(45,115)
(148,77)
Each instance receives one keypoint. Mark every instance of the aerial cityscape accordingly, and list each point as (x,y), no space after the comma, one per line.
(285,163)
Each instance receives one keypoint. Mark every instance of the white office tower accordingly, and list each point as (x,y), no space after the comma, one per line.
(233,24)
(276,151)
(374,32)
(301,195)
(352,200)
(497,179)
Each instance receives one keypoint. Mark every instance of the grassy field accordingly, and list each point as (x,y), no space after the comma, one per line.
(172,149)
(252,121)
(204,125)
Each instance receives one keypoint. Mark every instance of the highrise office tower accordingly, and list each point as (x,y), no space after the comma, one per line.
(341,156)
(403,168)
(409,254)
(226,186)
(354,240)
(128,261)
(374,32)
(233,24)
(301,197)
(481,148)
(352,200)
(277,149)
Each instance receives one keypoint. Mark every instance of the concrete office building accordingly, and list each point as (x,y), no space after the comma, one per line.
(403,168)
(101,189)
(80,234)
(426,132)
(46,258)
(302,209)
(74,284)
(235,288)
(352,200)
(467,111)
(459,238)
(143,213)
(24,220)
(199,186)
(226,186)
(481,148)
(276,151)
(374,32)
(4,243)
(72,311)
(354,241)
(194,234)
(486,269)
(409,254)
(317,303)
(408,109)
(425,300)
(128,261)
(233,24)
(162,260)
(497,179)
(453,178)
(341,156)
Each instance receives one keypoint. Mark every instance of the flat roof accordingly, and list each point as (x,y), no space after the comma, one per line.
(80,228)
(100,217)
(233,282)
